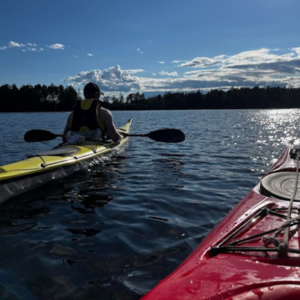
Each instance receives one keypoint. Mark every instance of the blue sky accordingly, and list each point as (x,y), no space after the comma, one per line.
(150,46)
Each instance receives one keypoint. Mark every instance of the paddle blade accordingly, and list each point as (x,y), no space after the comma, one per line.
(38,135)
(167,135)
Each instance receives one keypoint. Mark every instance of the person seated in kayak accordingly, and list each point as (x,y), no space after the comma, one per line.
(90,120)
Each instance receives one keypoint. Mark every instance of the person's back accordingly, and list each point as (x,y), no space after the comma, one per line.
(89,119)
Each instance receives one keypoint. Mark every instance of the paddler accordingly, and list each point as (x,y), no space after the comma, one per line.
(90,120)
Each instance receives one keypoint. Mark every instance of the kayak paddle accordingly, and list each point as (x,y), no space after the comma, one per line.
(39,135)
(166,135)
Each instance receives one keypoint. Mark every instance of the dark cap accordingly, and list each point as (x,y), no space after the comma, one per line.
(91,88)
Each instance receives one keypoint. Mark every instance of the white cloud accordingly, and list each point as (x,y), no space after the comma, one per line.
(297,50)
(168,73)
(200,62)
(251,57)
(161,62)
(176,61)
(32,49)
(90,54)
(57,46)
(12,44)
(26,47)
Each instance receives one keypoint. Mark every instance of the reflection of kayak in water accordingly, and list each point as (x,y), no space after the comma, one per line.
(11,288)
(254,252)
(47,166)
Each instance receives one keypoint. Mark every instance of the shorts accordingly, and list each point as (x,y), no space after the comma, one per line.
(77,137)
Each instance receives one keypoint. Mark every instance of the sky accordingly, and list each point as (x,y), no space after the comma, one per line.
(152,46)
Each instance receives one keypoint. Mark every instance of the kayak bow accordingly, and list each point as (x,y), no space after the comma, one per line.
(48,166)
(254,252)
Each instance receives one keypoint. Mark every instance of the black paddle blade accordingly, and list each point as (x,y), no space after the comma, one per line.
(38,135)
(167,135)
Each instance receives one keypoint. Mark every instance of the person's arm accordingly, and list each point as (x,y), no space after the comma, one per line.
(110,127)
(67,128)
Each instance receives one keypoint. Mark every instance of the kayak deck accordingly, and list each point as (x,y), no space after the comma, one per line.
(245,256)
(46,166)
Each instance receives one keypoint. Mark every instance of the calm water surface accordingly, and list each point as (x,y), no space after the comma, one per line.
(114,230)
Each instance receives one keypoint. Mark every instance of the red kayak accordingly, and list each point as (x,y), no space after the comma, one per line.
(254,252)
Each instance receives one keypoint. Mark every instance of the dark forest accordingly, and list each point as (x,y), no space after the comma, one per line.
(29,98)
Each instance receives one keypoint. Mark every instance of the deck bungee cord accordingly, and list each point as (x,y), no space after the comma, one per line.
(283,247)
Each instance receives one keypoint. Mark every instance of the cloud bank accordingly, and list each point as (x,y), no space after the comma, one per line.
(262,67)
(111,80)
(32,47)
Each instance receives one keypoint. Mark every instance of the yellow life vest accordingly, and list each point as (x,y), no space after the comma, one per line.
(85,116)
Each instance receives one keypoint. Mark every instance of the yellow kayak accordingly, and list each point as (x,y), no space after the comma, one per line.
(54,164)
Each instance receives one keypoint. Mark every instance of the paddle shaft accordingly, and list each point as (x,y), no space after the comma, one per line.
(167,135)
(142,135)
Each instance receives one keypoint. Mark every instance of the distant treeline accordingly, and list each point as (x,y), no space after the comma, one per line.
(234,98)
(59,98)
(37,98)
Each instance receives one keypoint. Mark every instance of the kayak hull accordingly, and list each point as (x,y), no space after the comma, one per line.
(12,188)
(244,257)
(52,165)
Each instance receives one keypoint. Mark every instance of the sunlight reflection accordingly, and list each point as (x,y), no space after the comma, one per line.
(282,124)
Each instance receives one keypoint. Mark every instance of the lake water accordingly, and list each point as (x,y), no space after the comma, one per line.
(116,229)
